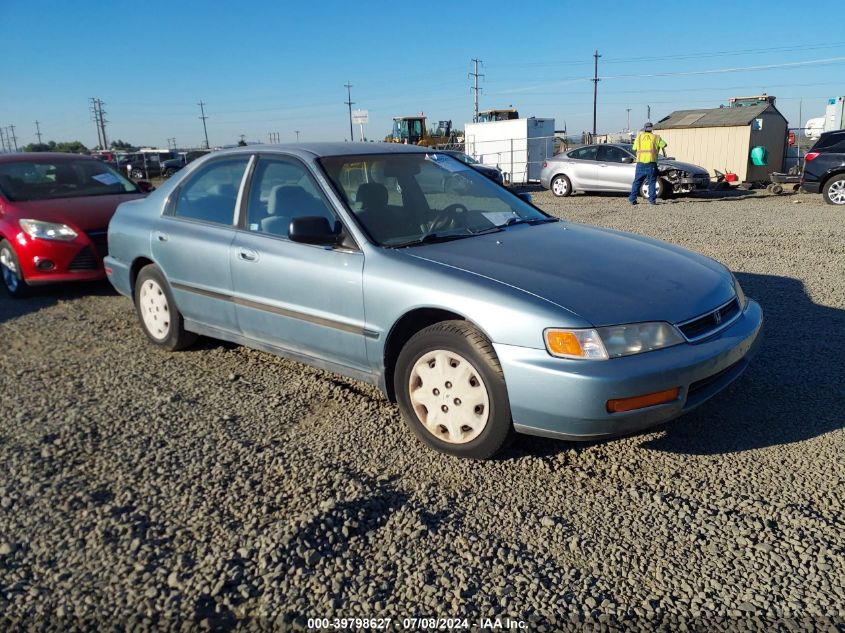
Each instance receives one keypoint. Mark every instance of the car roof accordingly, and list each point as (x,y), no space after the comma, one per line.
(22,157)
(330,149)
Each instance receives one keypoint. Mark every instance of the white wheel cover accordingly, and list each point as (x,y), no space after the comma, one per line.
(449,396)
(836,192)
(560,186)
(155,312)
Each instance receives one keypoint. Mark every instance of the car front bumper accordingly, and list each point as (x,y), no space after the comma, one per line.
(56,261)
(567,399)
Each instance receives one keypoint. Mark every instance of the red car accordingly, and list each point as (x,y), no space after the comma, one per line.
(54,216)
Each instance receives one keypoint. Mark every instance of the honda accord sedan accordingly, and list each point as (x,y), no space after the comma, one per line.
(474,310)
(54,213)
(611,167)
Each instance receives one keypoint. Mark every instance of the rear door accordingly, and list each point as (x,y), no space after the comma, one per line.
(612,173)
(301,297)
(192,241)
(583,169)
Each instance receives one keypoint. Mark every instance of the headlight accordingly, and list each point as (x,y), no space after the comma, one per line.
(740,295)
(611,342)
(47,230)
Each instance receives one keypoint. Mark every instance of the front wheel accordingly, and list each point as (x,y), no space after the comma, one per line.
(451,391)
(834,190)
(659,188)
(561,186)
(10,270)
(136,174)
(160,318)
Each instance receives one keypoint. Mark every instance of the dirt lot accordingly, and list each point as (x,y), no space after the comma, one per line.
(197,488)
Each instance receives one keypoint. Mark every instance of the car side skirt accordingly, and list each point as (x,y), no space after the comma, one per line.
(350,372)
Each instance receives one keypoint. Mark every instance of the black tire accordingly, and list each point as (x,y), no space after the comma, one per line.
(776,189)
(10,272)
(564,186)
(834,190)
(660,188)
(169,172)
(173,335)
(136,174)
(466,341)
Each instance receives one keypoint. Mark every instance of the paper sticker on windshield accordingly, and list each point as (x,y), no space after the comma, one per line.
(447,162)
(106,179)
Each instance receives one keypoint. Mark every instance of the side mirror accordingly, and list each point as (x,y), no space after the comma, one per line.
(145,186)
(312,229)
(627,159)
(524,195)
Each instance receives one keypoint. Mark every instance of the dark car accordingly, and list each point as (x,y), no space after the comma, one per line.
(143,165)
(172,165)
(493,173)
(824,167)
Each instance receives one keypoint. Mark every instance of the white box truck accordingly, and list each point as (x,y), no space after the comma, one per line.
(518,147)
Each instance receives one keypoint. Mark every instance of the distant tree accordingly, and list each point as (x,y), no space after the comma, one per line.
(37,147)
(120,144)
(242,143)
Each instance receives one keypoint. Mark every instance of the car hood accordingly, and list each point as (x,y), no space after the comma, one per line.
(605,277)
(676,164)
(86,213)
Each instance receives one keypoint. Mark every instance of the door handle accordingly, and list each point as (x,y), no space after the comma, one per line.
(247,254)
(162,237)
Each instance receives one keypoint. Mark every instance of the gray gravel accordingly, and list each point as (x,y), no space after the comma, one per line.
(195,489)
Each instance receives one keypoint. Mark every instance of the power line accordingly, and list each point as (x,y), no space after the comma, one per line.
(204,128)
(476,90)
(349,102)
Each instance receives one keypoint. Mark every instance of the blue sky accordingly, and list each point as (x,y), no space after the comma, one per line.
(280,66)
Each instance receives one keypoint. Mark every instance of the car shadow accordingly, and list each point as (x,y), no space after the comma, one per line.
(45,296)
(793,390)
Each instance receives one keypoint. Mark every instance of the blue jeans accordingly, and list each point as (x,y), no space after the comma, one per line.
(644,170)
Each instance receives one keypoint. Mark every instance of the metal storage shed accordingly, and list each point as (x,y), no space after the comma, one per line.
(722,138)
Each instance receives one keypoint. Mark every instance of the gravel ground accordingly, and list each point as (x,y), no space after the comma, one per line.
(196,489)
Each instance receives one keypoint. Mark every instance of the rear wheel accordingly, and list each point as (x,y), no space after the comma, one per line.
(452,392)
(169,172)
(136,174)
(160,318)
(561,186)
(834,190)
(10,270)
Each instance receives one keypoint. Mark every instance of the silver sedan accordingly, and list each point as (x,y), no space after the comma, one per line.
(611,167)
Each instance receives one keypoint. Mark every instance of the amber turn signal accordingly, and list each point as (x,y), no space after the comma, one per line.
(639,402)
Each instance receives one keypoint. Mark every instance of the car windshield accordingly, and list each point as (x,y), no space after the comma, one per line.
(63,178)
(408,199)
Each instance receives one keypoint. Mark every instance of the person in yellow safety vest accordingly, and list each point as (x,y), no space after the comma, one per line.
(646,147)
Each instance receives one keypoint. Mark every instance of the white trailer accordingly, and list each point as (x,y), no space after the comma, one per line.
(518,147)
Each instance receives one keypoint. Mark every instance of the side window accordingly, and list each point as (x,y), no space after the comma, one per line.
(584,153)
(211,193)
(282,190)
(611,154)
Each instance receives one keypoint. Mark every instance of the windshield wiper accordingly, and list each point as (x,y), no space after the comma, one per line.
(517,220)
(431,238)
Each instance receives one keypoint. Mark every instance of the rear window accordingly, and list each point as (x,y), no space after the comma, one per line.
(68,178)
(830,142)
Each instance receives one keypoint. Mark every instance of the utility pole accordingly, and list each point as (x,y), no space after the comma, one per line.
(628,126)
(38,132)
(595,89)
(475,75)
(96,114)
(648,113)
(204,128)
(348,102)
(14,138)
(297,135)
(3,140)
(103,123)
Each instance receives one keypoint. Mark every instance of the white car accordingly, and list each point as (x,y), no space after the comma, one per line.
(611,167)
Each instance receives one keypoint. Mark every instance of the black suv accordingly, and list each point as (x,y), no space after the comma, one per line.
(824,167)
(170,167)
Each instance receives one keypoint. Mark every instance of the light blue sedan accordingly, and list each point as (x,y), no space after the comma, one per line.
(474,310)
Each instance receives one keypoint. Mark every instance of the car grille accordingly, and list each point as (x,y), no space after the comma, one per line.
(703,326)
(100,240)
(84,260)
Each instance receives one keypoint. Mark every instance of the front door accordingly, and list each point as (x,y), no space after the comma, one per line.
(301,297)
(614,173)
(192,242)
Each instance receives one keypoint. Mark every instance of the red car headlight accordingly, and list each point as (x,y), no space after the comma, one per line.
(37,229)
